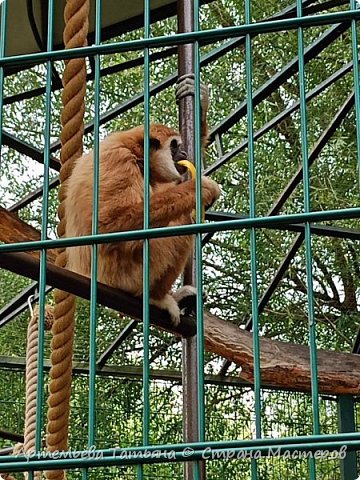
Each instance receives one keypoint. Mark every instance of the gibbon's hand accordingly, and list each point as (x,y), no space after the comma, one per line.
(210,191)
(186,86)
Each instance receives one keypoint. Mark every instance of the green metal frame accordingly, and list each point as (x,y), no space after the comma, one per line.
(187,451)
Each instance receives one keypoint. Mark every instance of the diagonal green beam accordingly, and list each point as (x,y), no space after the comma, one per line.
(280,77)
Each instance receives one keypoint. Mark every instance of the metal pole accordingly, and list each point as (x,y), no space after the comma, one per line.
(187,129)
(346,423)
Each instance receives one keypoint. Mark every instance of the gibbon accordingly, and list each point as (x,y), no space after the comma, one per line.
(121,194)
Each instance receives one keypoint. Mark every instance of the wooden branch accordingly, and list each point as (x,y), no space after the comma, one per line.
(28,266)
(14,437)
(13,229)
(283,365)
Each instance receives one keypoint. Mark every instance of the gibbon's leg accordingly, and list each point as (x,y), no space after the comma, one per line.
(165,206)
(168,257)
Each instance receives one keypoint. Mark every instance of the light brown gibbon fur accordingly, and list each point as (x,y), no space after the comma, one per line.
(121,193)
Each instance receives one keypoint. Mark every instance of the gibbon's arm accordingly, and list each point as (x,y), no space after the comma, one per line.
(121,205)
(165,206)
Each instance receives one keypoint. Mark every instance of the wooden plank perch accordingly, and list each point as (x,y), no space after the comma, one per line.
(13,229)
(283,365)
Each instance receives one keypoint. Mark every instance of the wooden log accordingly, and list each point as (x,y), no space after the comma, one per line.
(13,229)
(283,365)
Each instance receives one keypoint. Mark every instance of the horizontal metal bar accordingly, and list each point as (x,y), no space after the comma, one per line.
(26,265)
(316,229)
(127,371)
(300,440)
(182,38)
(238,224)
(183,452)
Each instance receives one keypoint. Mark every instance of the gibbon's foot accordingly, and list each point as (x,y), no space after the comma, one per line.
(186,298)
(185,86)
(169,304)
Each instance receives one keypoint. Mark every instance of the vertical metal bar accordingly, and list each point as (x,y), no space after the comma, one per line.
(311,316)
(346,423)
(189,345)
(198,249)
(146,378)
(199,471)
(253,261)
(44,226)
(354,43)
(2,54)
(94,248)
(146,246)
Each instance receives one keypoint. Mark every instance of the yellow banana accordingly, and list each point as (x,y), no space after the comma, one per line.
(191,167)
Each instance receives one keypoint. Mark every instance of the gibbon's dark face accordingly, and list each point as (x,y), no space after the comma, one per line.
(178,154)
(164,160)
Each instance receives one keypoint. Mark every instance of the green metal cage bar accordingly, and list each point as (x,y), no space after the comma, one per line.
(44,229)
(308,254)
(211,35)
(355,54)
(94,249)
(253,256)
(198,248)
(146,245)
(304,442)
(243,223)
(179,453)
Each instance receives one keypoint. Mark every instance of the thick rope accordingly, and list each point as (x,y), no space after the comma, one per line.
(32,348)
(17,450)
(32,379)
(76,16)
